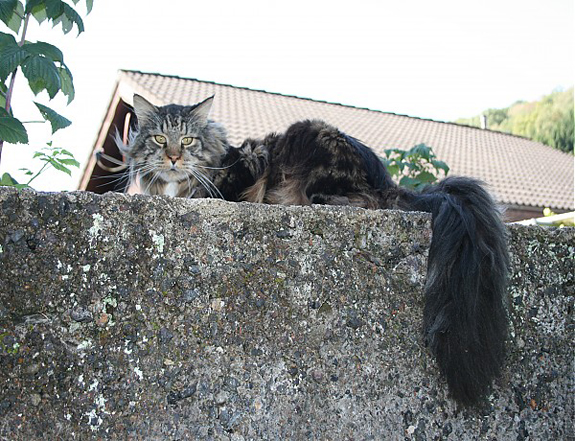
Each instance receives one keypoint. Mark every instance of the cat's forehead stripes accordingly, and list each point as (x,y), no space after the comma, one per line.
(174,123)
(180,123)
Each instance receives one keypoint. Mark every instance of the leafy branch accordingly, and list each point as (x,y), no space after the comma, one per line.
(41,63)
(416,168)
(55,157)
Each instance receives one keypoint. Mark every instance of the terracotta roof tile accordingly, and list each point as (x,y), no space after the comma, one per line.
(518,170)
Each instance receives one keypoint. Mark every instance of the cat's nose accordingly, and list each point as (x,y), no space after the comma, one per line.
(174,159)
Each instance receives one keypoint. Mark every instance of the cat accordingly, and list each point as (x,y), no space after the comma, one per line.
(178,151)
(163,160)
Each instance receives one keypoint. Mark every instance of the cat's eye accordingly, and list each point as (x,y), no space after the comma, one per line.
(160,139)
(188,140)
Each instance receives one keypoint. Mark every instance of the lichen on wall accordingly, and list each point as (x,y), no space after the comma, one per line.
(158,318)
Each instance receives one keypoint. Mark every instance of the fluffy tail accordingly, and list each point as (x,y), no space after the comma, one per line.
(465,315)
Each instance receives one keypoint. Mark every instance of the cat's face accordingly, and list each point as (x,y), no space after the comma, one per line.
(174,143)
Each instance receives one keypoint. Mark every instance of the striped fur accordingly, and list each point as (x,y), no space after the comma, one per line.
(173,168)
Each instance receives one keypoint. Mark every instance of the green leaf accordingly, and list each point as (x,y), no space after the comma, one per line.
(64,14)
(46,49)
(440,165)
(7,8)
(74,17)
(425,177)
(39,13)
(60,167)
(41,74)
(54,8)
(408,182)
(15,21)
(11,129)
(66,152)
(8,181)
(69,161)
(67,24)
(89,5)
(66,82)
(390,152)
(393,169)
(32,4)
(3,91)
(56,120)
(422,150)
(11,56)
(7,40)
(419,186)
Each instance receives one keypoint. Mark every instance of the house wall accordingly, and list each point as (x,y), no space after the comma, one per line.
(154,318)
(516,214)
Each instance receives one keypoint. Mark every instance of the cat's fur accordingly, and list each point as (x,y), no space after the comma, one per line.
(465,319)
(173,169)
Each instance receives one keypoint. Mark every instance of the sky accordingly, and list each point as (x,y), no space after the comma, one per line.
(440,59)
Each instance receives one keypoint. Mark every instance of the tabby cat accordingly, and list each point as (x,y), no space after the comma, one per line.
(178,151)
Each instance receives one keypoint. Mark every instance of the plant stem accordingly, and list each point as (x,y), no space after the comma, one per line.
(13,76)
(46,164)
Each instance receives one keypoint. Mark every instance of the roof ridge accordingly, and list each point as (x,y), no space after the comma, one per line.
(332,103)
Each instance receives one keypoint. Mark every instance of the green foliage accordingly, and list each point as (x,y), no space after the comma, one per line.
(415,168)
(11,129)
(549,120)
(8,181)
(57,121)
(56,157)
(565,222)
(42,65)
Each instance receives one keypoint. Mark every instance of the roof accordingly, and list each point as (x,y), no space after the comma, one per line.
(519,171)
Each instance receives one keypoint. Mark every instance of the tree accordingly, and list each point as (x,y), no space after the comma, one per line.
(550,120)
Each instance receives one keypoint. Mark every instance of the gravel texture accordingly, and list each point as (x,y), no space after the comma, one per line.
(133,317)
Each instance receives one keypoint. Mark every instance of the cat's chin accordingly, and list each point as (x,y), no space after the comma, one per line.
(173,175)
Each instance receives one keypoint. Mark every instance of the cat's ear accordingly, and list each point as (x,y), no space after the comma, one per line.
(143,108)
(202,110)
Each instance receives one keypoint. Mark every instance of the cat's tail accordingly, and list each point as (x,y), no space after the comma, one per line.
(465,314)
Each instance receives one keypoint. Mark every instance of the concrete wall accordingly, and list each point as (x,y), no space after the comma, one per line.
(132,317)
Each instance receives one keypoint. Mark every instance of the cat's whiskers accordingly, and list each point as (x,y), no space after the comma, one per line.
(144,171)
(116,178)
(202,181)
(206,182)
(152,182)
(217,168)
(189,182)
